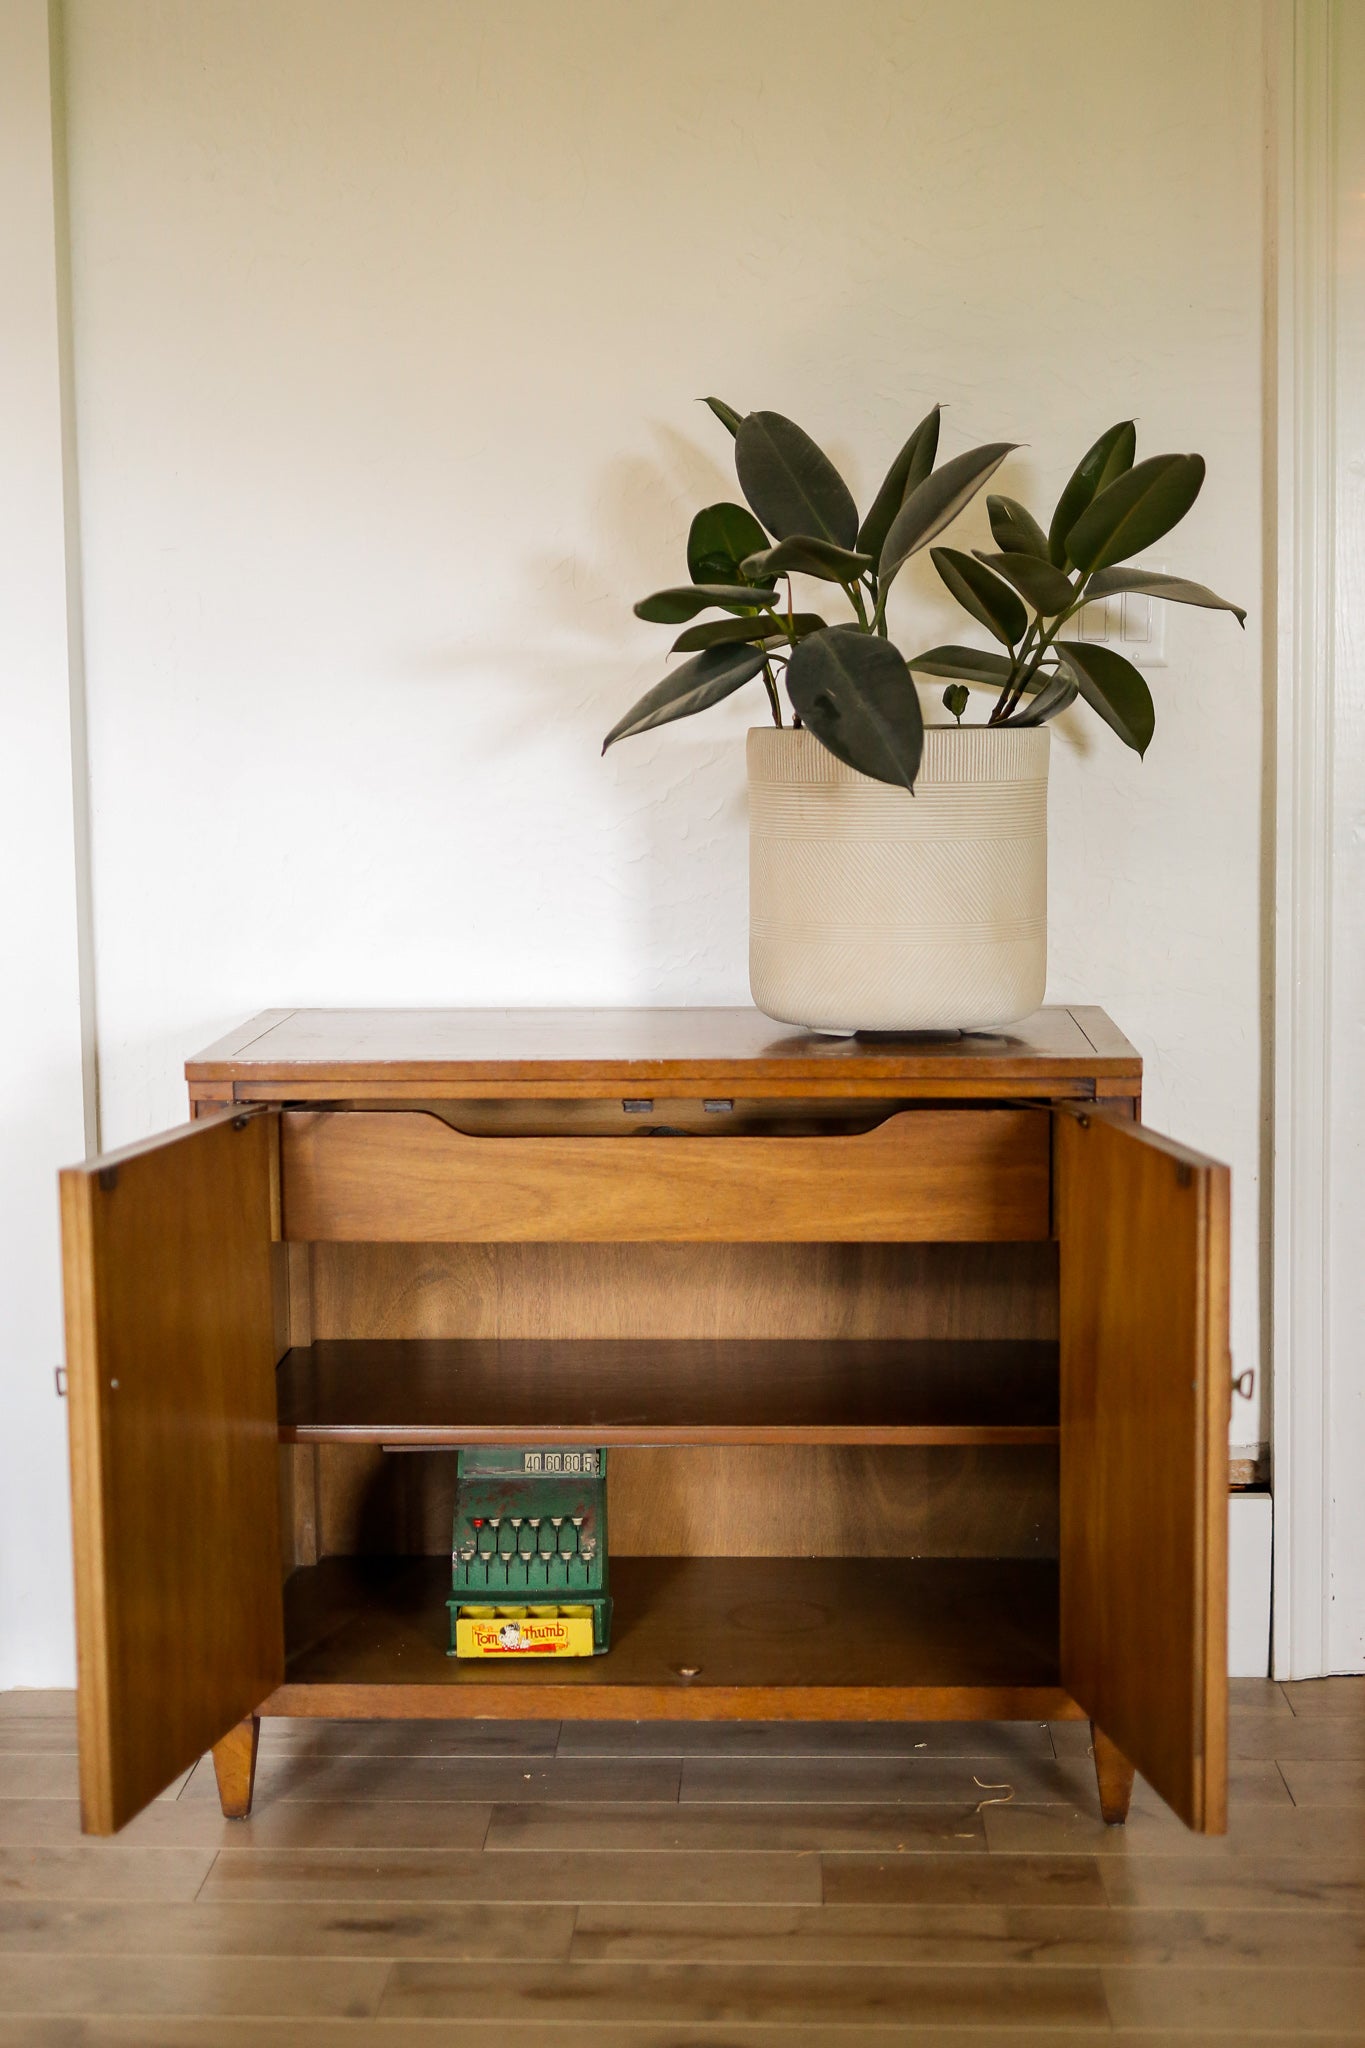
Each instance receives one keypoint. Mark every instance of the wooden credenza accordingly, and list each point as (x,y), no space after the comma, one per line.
(912,1357)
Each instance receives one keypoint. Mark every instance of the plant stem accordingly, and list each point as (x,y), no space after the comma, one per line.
(855,597)
(770,685)
(1012,704)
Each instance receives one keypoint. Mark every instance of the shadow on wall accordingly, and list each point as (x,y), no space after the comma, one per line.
(663,825)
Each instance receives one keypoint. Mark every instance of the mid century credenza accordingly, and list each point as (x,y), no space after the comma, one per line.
(912,1357)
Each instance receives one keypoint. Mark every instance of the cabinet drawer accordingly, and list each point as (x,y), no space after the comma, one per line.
(924,1175)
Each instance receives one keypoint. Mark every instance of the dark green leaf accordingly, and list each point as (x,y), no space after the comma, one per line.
(1111,455)
(1044,587)
(724,632)
(1142,505)
(983,594)
(805,623)
(1056,693)
(695,686)
(1114,688)
(791,484)
(803,555)
(726,414)
(1152,583)
(718,540)
(685,600)
(973,664)
(853,691)
(906,473)
(939,499)
(956,698)
(1014,528)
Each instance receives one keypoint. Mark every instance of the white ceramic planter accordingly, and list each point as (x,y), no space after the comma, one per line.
(871,909)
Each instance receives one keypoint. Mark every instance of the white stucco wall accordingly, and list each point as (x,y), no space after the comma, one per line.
(41,1104)
(388,327)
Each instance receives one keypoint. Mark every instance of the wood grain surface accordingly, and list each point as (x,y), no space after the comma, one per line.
(802,1638)
(921,1176)
(528,1291)
(652,1923)
(730,1500)
(1143,1234)
(801,1498)
(170,1351)
(723,1051)
(678,1390)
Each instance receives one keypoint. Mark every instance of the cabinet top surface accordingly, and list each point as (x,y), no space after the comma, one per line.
(719,1048)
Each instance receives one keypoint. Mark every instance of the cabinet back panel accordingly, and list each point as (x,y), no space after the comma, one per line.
(730,1501)
(788,1500)
(656,1290)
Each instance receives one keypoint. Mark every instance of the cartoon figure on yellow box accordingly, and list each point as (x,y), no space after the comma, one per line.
(509,1635)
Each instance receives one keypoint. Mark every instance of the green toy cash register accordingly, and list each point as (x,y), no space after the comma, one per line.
(529,1554)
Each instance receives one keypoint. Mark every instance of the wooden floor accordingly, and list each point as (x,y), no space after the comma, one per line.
(706,1886)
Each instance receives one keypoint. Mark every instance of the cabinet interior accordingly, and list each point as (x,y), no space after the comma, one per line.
(717,1374)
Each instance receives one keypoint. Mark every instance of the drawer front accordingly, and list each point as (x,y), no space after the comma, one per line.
(923,1176)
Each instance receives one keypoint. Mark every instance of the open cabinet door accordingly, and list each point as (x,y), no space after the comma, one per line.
(170,1358)
(1142,1226)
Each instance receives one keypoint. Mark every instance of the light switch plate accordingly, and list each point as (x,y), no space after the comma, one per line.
(1132,624)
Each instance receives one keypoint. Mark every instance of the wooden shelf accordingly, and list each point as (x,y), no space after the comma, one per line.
(768,1638)
(669,1391)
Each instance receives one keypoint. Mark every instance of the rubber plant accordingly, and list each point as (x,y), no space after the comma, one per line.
(846,681)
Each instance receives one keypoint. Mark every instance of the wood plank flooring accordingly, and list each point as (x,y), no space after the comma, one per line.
(689,1886)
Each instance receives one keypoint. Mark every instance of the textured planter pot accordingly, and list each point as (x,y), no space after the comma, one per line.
(874,910)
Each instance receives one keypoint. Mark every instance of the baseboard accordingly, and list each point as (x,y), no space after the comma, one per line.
(1250,1525)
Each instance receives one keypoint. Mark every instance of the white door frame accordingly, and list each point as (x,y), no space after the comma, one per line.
(1317,129)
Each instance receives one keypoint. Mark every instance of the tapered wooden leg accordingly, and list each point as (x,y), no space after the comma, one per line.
(1115,1775)
(234,1766)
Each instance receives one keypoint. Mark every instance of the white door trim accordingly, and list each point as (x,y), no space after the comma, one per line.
(1307,104)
